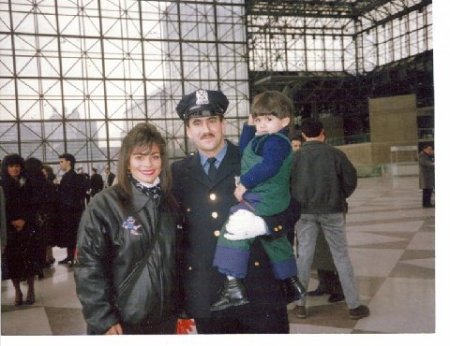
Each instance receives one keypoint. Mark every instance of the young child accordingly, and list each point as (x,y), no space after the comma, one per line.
(263,192)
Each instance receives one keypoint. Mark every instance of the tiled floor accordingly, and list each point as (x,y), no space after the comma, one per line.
(392,246)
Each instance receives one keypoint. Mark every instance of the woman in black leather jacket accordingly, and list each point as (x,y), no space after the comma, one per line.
(125,265)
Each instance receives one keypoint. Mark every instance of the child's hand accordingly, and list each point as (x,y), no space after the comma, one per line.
(250,120)
(239,192)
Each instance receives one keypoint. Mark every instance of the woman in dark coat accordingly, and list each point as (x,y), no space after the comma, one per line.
(52,224)
(40,203)
(19,251)
(125,272)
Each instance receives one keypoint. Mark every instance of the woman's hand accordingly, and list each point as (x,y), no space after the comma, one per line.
(115,330)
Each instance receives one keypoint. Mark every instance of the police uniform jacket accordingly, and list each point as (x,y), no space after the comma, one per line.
(206,206)
(125,269)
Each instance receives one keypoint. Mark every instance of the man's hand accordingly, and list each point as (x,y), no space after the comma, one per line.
(115,330)
(239,192)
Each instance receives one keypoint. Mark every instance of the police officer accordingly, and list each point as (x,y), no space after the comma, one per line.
(203,185)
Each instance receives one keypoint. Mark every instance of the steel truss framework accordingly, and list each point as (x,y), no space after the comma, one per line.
(76,75)
(331,56)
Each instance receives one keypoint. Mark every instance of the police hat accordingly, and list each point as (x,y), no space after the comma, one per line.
(202,103)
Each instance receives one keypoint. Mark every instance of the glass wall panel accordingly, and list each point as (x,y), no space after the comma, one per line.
(77,75)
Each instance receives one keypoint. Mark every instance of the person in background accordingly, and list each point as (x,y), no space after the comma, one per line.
(96,182)
(109,177)
(86,183)
(125,272)
(53,227)
(293,212)
(205,204)
(323,261)
(426,175)
(296,143)
(19,252)
(326,272)
(72,194)
(40,205)
(3,237)
(322,179)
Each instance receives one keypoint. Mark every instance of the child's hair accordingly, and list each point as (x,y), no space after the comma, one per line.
(274,103)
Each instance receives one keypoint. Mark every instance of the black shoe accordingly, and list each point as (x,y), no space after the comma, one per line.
(359,312)
(19,300)
(30,300)
(66,260)
(336,297)
(318,292)
(232,294)
(293,289)
(49,263)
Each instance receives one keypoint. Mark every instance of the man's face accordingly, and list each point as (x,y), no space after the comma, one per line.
(64,165)
(429,151)
(296,144)
(207,134)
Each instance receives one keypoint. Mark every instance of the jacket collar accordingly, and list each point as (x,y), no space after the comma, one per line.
(139,199)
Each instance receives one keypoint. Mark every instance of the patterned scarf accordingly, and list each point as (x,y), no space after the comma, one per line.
(150,190)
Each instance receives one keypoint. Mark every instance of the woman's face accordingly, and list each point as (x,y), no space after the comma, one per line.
(145,163)
(14,171)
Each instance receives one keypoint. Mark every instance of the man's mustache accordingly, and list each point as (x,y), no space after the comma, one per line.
(207,135)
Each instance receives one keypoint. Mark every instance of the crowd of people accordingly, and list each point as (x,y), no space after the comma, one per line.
(226,236)
(38,213)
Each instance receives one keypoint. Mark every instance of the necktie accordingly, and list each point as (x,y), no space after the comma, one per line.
(212,170)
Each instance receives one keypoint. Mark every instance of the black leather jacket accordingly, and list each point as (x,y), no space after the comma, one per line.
(125,271)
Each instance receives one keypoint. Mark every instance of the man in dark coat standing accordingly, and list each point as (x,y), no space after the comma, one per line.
(426,175)
(96,182)
(72,192)
(109,177)
(205,201)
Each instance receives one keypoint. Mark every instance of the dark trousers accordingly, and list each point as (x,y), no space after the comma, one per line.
(329,281)
(272,322)
(166,327)
(426,197)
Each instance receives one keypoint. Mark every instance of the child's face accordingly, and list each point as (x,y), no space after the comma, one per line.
(269,124)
